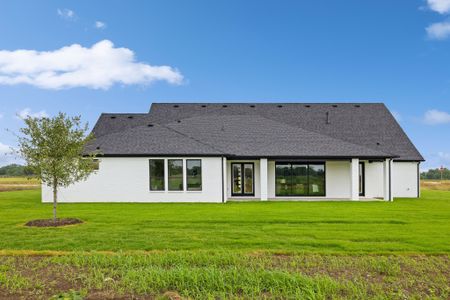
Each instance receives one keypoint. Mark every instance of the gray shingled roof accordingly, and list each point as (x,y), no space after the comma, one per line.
(365,130)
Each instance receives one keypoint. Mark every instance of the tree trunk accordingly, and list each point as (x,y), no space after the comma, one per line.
(55,198)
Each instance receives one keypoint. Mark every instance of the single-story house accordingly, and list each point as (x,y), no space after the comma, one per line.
(210,152)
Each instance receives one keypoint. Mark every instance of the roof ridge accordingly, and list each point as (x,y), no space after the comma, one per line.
(123,113)
(144,126)
(326,135)
(192,138)
(283,124)
(230,102)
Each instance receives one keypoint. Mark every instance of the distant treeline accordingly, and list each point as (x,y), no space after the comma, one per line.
(15,170)
(435,174)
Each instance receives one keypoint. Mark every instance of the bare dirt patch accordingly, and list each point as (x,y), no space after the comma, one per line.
(53,223)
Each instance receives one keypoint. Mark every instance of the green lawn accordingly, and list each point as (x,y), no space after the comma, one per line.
(272,250)
(403,226)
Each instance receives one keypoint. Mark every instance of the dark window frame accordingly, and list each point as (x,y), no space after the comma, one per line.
(187,175)
(95,164)
(182,174)
(308,163)
(363,178)
(150,175)
(242,194)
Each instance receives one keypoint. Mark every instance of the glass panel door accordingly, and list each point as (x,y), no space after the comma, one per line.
(299,185)
(283,179)
(316,179)
(237,179)
(248,179)
(242,179)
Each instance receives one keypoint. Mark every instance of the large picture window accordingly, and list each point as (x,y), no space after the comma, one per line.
(175,169)
(194,174)
(299,179)
(156,174)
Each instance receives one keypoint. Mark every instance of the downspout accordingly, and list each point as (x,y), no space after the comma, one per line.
(223,197)
(418,179)
(390,181)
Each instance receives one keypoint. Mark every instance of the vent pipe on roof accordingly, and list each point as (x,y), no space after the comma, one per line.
(328,117)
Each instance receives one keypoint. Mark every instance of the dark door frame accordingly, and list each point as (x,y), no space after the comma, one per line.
(363,178)
(243,194)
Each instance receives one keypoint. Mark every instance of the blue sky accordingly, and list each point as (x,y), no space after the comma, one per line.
(396,52)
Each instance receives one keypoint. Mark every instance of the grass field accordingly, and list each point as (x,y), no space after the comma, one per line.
(402,226)
(18,183)
(439,185)
(309,250)
(226,275)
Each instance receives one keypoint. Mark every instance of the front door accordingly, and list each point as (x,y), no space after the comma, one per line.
(242,179)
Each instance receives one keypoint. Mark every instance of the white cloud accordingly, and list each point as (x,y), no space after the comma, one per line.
(440,6)
(98,67)
(26,112)
(434,117)
(438,31)
(100,25)
(65,13)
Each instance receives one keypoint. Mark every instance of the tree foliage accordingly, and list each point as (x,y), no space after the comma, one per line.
(436,174)
(53,150)
(15,170)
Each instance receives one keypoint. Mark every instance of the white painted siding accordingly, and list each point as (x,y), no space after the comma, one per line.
(127,180)
(374,179)
(404,179)
(338,181)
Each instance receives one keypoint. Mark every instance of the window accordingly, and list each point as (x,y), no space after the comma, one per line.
(300,179)
(316,180)
(194,174)
(156,174)
(175,169)
(95,164)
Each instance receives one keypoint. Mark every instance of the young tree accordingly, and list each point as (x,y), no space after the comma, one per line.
(53,149)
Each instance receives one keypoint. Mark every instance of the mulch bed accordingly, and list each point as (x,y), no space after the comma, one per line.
(52,223)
